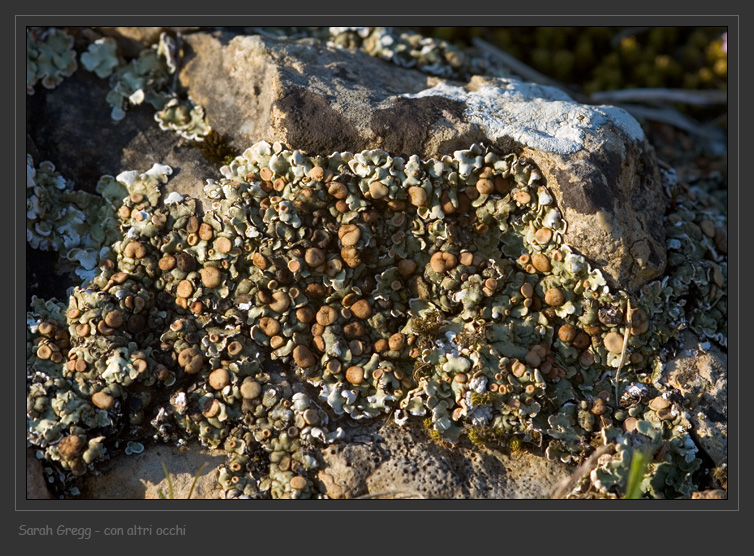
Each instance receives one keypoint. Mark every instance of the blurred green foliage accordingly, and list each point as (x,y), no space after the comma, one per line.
(593,59)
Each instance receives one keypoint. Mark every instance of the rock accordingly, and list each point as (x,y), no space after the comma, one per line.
(321,99)
(700,374)
(718,494)
(403,462)
(141,476)
(36,486)
(54,122)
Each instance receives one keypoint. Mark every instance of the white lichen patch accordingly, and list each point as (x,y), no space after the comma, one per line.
(532,114)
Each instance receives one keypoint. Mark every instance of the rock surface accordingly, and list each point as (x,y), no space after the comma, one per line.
(141,476)
(402,462)
(701,376)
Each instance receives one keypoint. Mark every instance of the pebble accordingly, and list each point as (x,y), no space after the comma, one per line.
(708,228)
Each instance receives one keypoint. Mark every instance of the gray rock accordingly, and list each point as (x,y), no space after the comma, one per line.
(403,462)
(140,476)
(700,374)
(76,113)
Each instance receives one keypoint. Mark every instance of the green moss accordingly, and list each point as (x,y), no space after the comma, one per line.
(434,434)
(484,398)
(216,148)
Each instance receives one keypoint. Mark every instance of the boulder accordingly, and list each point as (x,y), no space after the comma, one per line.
(321,99)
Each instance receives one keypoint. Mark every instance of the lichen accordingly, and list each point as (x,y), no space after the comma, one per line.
(101,57)
(315,288)
(148,78)
(59,218)
(495,329)
(49,57)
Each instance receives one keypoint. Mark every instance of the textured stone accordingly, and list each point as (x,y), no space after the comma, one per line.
(140,476)
(700,374)
(403,462)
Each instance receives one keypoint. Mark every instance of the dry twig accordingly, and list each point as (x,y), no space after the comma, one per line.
(583,470)
(683,96)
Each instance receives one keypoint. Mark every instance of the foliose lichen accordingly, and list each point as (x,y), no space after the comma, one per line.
(439,289)
(435,289)
(59,218)
(49,57)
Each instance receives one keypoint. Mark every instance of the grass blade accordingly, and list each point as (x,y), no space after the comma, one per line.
(635,475)
(193,483)
(170,482)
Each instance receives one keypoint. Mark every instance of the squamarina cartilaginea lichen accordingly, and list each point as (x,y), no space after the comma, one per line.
(439,290)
